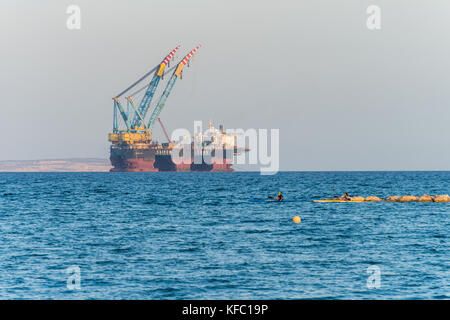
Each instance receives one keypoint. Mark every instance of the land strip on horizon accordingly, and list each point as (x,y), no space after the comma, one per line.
(56,165)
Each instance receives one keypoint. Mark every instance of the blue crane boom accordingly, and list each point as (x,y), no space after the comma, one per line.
(136,112)
(147,98)
(162,100)
(123,113)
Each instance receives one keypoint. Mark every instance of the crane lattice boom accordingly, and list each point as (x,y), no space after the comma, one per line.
(134,119)
(169,87)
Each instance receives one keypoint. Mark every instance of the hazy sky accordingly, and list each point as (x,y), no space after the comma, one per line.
(344,97)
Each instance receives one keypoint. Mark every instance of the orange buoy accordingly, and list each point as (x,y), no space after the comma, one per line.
(297,219)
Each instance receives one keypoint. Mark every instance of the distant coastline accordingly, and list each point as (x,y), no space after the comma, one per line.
(56,165)
(104,165)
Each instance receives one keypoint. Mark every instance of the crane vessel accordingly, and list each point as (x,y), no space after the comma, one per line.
(132,147)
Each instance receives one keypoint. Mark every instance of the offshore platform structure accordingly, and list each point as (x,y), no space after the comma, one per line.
(132,147)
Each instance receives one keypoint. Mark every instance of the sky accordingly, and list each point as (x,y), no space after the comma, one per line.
(343,97)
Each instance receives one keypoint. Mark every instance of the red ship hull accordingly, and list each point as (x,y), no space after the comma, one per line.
(155,158)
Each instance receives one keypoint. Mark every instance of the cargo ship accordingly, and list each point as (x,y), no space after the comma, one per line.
(133,148)
(138,153)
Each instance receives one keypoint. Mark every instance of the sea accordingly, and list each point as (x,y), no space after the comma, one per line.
(214,236)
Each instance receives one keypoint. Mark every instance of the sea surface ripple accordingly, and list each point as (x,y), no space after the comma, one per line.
(212,236)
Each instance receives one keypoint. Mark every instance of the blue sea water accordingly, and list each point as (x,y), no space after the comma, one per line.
(204,236)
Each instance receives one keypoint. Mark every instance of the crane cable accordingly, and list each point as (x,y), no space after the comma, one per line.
(146,86)
(134,84)
(142,78)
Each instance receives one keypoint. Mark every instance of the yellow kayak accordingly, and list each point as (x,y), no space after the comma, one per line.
(337,200)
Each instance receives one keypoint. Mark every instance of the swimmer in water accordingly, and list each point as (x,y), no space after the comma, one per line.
(279,197)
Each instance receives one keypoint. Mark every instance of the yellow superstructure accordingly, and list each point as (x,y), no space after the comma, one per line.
(138,135)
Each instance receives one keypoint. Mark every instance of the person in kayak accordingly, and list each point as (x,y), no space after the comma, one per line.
(345,197)
(279,197)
